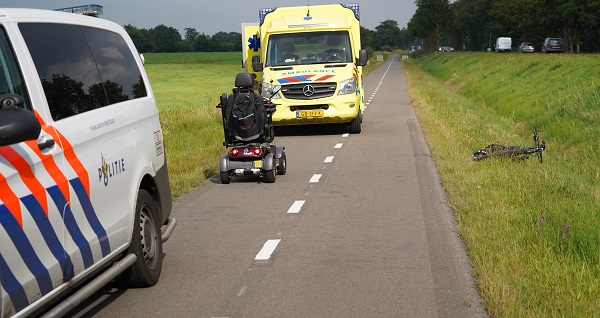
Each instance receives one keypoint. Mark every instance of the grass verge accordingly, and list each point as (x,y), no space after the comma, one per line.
(187,87)
(532,230)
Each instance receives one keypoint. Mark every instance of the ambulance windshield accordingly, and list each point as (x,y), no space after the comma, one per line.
(309,48)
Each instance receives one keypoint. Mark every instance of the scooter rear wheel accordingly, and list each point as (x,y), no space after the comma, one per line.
(225,179)
(271,175)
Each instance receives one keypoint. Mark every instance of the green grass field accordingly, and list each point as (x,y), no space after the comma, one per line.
(532,230)
(187,87)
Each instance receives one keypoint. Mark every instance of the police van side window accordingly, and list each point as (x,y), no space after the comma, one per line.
(11,80)
(66,68)
(118,69)
(81,68)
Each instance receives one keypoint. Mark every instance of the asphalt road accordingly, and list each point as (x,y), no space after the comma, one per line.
(358,227)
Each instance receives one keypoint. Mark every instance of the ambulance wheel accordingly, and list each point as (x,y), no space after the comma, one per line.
(146,243)
(224,177)
(282,166)
(270,175)
(355,124)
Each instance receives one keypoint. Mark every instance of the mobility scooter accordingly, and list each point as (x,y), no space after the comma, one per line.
(248,130)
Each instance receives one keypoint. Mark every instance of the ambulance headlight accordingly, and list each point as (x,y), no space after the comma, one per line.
(271,91)
(347,86)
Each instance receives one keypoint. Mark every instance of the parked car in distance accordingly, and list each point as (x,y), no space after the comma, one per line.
(446,49)
(553,45)
(526,47)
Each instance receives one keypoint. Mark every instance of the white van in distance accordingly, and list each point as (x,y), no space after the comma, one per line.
(503,44)
(84,188)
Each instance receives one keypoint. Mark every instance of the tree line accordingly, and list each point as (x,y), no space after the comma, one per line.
(164,39)
(463,24)
(477,23)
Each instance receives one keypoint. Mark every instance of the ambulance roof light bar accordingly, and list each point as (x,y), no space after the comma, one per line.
(89,9)
(262,13)
(353,7)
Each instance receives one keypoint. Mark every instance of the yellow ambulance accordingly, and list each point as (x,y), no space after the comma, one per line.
(311,57)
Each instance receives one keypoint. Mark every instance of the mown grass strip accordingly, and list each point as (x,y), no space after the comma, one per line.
(532,230)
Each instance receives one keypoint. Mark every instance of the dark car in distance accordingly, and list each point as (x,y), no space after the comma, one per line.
(553,45)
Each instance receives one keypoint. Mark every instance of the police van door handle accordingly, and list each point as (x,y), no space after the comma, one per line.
(46,144)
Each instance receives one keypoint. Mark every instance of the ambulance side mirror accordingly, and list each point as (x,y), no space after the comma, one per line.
(16,123)
(256,64)
(363,58)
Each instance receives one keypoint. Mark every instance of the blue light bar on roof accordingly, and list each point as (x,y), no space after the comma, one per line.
(262,13)
(353,7)
(88,9)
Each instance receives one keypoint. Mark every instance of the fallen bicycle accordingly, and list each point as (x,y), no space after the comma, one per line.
(512,152)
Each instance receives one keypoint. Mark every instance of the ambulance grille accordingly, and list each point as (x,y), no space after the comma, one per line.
(307,91)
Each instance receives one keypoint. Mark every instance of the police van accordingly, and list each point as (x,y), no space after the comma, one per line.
(84,189)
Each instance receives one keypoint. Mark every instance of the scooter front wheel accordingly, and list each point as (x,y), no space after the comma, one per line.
(282,166)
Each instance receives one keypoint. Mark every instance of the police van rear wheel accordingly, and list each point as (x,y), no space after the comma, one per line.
(146,243)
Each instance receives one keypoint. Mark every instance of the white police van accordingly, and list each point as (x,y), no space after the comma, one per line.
(84,188)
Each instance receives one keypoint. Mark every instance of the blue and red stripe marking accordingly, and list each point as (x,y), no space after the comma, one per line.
(25,248)
(303,78)
(28,177)
(36,204)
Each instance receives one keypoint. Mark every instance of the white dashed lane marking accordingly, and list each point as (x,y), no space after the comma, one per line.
(368,102)
(270,246)
(267,250)
(295,208)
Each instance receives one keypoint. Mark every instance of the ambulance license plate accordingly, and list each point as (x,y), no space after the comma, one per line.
(310,113)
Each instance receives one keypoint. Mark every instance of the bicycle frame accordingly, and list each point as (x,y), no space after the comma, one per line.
(513,152)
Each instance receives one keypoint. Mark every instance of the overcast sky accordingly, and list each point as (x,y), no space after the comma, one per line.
(212,16)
